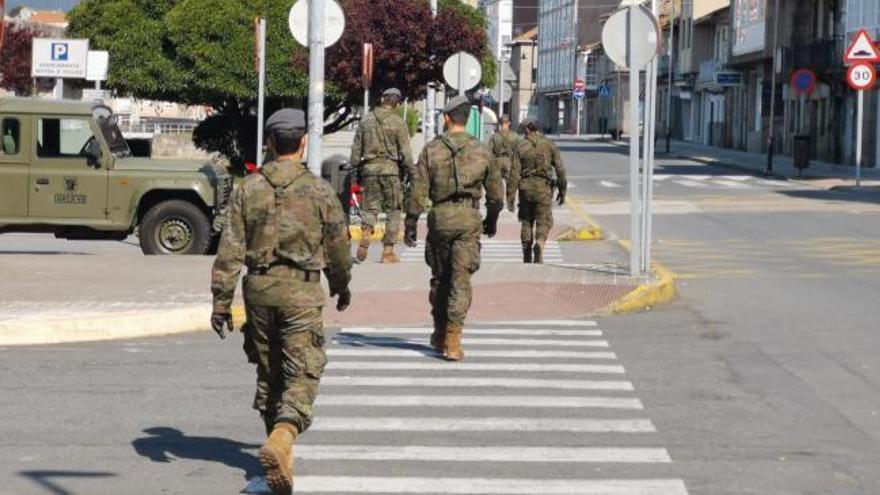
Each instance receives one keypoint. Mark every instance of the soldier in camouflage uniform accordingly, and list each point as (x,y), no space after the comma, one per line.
(537,170)
(503,145)
(286,226)
(383,156)
(452,172)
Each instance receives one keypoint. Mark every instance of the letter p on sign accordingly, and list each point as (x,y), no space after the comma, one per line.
(60,52)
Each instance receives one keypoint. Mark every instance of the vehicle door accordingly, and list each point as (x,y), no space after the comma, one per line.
(13,167)
(65,184)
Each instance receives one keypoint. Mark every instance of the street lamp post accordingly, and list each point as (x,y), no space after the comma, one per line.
(771,138)
(669,79)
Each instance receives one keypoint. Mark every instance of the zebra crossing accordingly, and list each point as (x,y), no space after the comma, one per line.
(493,251)
(737,182)
(534,409)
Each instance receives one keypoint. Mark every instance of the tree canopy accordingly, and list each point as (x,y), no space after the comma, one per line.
(201,52)
(15,59)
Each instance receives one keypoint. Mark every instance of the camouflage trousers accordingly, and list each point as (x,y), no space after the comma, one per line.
(287,345)
(453,253)
(383,194)
(536,215)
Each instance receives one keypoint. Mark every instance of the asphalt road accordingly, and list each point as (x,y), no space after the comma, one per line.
(764,378)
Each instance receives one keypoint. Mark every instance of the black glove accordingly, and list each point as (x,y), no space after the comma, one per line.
(560,197)
(221,323)
(411,231)
(343,301)
(489,228)
(490,224)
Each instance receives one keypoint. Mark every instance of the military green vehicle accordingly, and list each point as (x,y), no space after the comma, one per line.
(66,169)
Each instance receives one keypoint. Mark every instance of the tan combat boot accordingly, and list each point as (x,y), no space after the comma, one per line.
(276,457)
(539,254)
(388,255)
(438,338)
(453,351)
(364,247)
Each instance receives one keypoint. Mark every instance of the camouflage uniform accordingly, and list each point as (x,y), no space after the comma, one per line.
(538,165)
(452,172)
(382,151)
(503,145)
(286,226)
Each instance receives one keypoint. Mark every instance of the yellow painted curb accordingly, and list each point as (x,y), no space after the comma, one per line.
(592,232)
(659,291)
(378,233)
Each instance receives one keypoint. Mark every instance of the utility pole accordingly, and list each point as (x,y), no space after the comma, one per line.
(316,84)
(428,120)
(669,79)
(498,39)
(770,134)
(261,92)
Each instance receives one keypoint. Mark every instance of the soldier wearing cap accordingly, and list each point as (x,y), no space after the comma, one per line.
(383,156)
(503,145)
(453,171)
(287,226)
(536,172)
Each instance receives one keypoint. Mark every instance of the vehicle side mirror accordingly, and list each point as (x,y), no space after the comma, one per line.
(93,153)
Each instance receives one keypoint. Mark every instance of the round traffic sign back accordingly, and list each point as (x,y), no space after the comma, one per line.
(803,81)
(861,76)
(334,22)
(462,71)
(640,24)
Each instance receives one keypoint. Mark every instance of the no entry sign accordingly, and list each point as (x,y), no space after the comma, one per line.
(861,76)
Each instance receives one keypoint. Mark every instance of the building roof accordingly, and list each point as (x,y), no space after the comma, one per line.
(527,37)
(44,106)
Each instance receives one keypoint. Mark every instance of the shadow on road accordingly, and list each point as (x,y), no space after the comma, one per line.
(165,444)
(49,480)
(347,339)
(4,252)
(851,195)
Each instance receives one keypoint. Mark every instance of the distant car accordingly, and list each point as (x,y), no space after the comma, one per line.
(66,169)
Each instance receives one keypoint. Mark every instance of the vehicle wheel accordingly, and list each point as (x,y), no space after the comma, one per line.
(175,227)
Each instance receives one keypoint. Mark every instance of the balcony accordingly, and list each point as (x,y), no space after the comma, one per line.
(819,56)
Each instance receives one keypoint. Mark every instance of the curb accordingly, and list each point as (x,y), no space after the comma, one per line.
(102,327)
(659,290)
(592,232)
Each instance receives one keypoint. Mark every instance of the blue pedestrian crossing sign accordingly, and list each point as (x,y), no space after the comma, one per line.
(604,91)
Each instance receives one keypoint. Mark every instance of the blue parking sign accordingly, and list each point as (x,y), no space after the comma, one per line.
(60,52)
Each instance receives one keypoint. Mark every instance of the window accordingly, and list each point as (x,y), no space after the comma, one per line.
(63,138)
(10,137)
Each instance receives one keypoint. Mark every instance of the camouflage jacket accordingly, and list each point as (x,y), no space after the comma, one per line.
(453,167)
(301,226)
(381,144)
(538,164)
(503,145)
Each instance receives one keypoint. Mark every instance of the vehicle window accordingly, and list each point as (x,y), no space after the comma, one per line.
(10,136)
(63,138)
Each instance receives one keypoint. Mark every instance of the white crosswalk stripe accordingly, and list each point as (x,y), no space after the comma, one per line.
(390,411)
(743,182)
(493,252)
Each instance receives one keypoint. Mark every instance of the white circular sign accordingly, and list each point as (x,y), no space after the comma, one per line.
(462,71)
(644,46)
(861,77)
(334,22)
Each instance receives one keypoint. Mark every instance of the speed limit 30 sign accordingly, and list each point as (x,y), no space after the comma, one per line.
(861,76)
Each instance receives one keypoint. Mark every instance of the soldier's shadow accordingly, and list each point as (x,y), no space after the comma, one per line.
(165,444)
(348,339)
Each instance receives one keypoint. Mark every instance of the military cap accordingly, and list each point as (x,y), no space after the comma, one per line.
(456,102)
(287,119)
(392,92)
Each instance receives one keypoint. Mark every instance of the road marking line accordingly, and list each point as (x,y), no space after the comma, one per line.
(477,331)
(609,184)
(455,401)
(470,341)
(690,183)
(478,353)
(548,323)
(469,382)
(485,486)
(484,424)
(739,178)
(733,184)
(482,454)
(425,365)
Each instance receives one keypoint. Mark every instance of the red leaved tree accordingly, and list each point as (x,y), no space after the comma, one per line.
(15,59)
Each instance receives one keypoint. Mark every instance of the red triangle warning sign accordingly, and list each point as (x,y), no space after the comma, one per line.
(862,49)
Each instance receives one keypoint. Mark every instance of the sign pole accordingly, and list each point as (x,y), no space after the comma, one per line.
(430,120)
(650,145)
(316,84)
(635,206)
(860,108)
(261,96)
